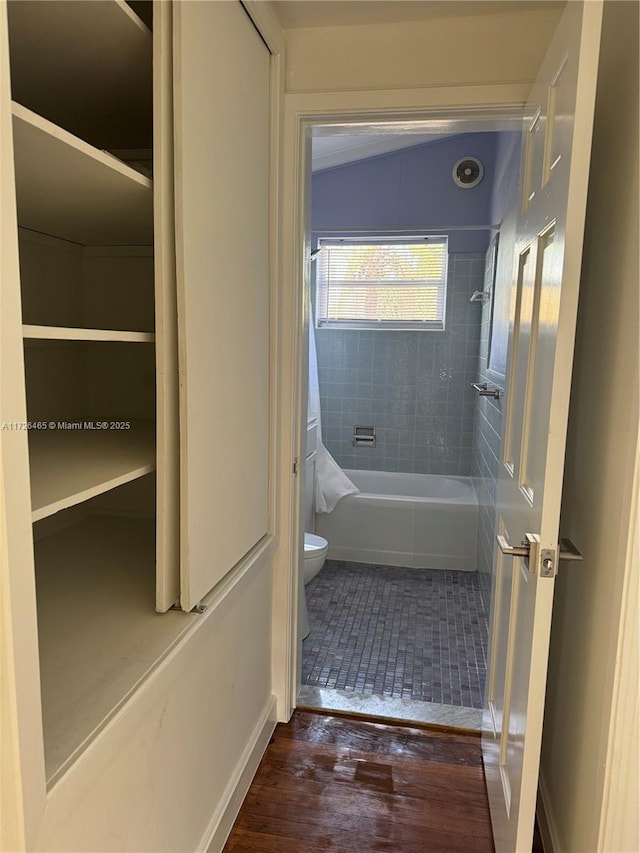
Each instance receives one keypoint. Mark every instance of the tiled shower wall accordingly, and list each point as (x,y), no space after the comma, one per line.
(412,386)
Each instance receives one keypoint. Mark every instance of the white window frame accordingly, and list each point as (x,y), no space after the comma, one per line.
(323,322)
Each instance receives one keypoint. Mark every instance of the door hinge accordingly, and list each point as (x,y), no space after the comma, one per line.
(295,467)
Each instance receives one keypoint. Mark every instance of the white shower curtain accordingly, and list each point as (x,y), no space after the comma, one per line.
(332,483)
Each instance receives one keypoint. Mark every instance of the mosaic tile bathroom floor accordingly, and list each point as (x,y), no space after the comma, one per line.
(404,633)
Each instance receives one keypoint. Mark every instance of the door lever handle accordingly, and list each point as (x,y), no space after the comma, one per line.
(568,551)
(548,561)
(521,550)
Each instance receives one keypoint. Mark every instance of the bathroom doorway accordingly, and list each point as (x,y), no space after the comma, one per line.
(398,614)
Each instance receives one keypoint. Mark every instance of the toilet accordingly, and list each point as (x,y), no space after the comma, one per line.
(315,553)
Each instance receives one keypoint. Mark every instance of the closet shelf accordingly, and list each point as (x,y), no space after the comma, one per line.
(85,66)
(68,189)
(98,632)
(70,465)
(65,333)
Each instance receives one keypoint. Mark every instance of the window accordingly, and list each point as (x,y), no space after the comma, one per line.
(381,283)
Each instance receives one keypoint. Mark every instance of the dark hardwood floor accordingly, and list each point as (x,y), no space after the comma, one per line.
(343,784)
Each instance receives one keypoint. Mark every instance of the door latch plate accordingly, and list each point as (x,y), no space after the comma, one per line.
(548,563)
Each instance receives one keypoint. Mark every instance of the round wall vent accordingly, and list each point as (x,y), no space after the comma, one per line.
(467,172)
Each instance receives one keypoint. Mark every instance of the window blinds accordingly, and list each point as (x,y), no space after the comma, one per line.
(382,282)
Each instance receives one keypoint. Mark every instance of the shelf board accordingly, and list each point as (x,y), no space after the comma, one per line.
(68,189)
(69,466)
(86,66)
(98,632)
(65,333)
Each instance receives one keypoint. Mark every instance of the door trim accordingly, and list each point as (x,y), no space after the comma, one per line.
(491,104)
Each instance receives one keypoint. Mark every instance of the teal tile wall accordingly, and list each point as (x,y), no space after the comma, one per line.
(413,386)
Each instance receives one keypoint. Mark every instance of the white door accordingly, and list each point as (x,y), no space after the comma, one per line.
(221,102)
(556,153)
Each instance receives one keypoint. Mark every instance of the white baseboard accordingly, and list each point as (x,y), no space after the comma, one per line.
(224,816)
(546,822)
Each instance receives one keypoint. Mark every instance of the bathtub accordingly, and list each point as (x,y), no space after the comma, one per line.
(422,521)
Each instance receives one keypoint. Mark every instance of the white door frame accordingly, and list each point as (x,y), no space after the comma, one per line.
(301,113)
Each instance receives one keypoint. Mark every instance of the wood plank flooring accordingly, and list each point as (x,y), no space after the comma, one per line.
(344,785)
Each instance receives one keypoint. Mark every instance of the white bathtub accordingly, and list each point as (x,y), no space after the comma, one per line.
(422,521)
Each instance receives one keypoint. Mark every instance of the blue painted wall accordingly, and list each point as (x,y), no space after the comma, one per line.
(409,188)
(413,386)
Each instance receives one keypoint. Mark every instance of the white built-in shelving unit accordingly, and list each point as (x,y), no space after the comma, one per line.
(71,464)
(99,633)
(85,65)
(70,189)
(64,333)
(82,87)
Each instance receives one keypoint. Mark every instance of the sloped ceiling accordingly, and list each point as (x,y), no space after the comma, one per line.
(330,151)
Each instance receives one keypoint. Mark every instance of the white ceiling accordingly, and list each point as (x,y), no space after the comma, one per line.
(339,143)
(329,151)
(294,14)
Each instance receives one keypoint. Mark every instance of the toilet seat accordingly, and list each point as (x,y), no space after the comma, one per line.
(315,554)
(314,544)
